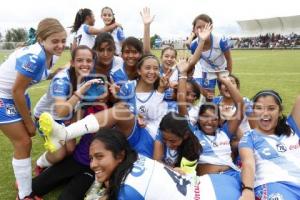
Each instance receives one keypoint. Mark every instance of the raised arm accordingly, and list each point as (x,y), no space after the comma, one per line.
(235,121)
(147,20)
(202,35)
(182,67)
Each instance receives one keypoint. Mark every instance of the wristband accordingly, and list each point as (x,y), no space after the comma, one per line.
(247,187)
(76,95)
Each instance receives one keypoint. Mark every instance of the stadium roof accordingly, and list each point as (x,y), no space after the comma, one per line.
(277,25)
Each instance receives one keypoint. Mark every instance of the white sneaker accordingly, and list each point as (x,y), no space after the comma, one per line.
(54,133)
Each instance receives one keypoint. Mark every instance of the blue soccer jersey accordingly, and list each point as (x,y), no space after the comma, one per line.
(29,61)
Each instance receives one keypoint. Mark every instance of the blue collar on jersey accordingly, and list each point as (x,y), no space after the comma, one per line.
(51,61)
(124,69)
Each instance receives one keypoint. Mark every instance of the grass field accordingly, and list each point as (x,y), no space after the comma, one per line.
(257,69)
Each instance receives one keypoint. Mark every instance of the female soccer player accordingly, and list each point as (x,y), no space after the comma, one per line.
(128,175)
(270,153)
(25,67)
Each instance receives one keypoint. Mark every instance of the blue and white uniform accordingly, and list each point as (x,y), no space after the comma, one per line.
(170,155)
(118,72)
(217,150)
(212,60)
(150,105)
(119,37)
(84,37)
(275,155)
(151,180)
(173,78)
(248,104)
(29,61)
(60,87)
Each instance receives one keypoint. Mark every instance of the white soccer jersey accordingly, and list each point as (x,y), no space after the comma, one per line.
(29,61)
(84,37)
(213,60)
(216,149)
(150,105)
(118,35)
(151,180)
(276,158)
(60,86)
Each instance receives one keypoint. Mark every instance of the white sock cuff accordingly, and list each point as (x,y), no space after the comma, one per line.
(93,124)
(42,161)
(21,162)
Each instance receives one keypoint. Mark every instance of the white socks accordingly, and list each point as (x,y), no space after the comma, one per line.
(89,124)
(43,162)
(23,174)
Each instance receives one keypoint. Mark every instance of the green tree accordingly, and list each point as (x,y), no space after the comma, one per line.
(16,35)
(153,38)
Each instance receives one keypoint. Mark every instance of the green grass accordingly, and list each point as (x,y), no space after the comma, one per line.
(257,69)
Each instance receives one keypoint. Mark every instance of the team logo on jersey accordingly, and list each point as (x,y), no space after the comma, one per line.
(142,109)
(10,109)
(281,147)
(276,196)
(28,67)
(138,167)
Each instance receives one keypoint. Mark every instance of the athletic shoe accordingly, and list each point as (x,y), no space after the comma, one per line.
(54,133)
(189,167)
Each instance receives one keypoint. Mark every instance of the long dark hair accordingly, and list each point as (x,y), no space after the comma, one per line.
(117,143)
(72,73)
(190,147)
(80,18)
(282,128)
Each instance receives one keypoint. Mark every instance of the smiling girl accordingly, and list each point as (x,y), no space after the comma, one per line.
(25,67)
(270,153)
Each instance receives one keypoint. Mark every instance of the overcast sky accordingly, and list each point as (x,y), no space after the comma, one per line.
(173,18)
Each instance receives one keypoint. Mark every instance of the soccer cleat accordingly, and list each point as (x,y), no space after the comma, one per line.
(54,133)
(189,167)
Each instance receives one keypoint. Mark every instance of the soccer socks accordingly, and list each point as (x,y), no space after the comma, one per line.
(89,124)
(42,161)
(23,174)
